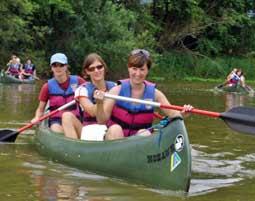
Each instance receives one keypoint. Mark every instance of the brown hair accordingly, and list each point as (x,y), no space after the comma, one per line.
(89,59)
(138,58)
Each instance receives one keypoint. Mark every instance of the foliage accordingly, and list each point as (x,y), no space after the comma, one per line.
(186,37)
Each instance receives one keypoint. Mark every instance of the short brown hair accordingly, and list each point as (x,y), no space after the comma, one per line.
(138,58)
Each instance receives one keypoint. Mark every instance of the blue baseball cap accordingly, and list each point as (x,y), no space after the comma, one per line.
(59,58)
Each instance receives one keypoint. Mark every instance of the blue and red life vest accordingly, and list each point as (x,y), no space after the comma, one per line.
(131,116)
(87,119)
(59,96)
(14,69)
(234,79)
(29,68)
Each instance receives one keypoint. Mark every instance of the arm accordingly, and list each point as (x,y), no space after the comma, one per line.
(104,107)
(39,111)
(81,95)
(161,98)
(43,99)
(35,76)
(242,81)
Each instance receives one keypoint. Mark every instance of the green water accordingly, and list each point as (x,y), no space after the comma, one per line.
(223,160)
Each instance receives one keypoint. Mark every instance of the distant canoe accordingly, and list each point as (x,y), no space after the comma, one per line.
(161,161)
(5,78)
(235,89)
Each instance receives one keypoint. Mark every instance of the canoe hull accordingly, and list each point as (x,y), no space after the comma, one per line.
(158,161)
(5,78)
(235,89)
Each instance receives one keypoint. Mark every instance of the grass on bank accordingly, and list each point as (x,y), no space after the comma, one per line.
(176,66)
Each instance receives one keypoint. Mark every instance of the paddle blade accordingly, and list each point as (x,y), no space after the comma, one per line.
(8,135)
(241,119)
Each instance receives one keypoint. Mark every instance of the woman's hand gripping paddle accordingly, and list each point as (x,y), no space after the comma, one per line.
(240,119)
(7,135)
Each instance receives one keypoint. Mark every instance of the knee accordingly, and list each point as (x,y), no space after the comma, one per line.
(67,117)
(56,128)
(114,132)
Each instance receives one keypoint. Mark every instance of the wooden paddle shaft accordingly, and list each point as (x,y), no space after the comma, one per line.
(156,104)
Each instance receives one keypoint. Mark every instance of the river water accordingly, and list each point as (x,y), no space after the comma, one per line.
(223,161)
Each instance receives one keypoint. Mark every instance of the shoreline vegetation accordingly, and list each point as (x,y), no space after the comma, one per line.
(184,39)
(172,66)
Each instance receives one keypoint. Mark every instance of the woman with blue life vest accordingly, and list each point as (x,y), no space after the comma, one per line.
(14,66)
(126,118)
(58,91)
(29,71)
(95,69)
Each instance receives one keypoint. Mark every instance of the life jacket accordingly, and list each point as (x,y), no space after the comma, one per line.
(59,96)
(131,116)
(14,69)
(87,119)
(234,79)
(29,68)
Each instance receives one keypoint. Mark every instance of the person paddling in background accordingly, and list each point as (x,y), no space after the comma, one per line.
(58,91)
(29,71)
(95,69)
(233,78)
(126,118)
(14,67)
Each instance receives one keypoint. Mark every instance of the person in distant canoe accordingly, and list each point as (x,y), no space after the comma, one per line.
(14,67)
(126,118)
(234,77)
(95,69)
(58,91)
(29,71)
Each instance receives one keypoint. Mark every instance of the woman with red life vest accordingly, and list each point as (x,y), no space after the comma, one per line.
(14,66)
(58,91)
(95,69)
(28,71)
(126,118)
(235,77)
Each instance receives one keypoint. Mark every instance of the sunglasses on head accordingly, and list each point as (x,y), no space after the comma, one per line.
(141,51)
(57,64)
(93,68)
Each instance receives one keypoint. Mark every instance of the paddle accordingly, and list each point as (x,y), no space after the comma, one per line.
(241,119)
(11,135)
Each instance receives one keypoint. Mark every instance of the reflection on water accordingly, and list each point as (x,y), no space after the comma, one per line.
(58,182)
(219,165)
(223,161)
(204,186)
(234,100)
(17,101)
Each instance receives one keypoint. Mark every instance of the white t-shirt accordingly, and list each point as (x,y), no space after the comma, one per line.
(81,92)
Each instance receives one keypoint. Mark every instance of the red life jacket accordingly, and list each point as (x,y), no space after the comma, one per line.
(133,117)
(14,69)
(59,96)
(29,68)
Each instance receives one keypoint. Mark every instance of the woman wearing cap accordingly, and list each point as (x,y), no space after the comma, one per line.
(128,119)
(58,91)
(95,69)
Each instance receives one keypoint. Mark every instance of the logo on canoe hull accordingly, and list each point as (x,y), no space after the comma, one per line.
(175,161)
(179,143)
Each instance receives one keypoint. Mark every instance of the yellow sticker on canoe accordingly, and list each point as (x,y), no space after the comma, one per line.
(175,161)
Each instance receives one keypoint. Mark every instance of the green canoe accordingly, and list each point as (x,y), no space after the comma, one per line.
(161,161)
(5,78)
(235,89)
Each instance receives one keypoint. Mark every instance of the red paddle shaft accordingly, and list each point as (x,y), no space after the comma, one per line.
(156,104)
(46,116)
